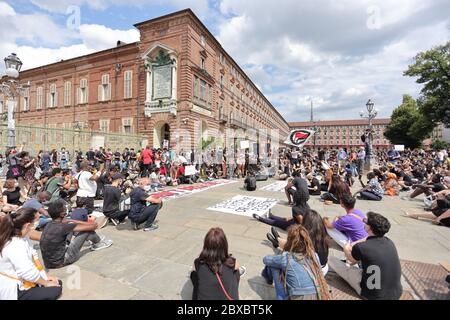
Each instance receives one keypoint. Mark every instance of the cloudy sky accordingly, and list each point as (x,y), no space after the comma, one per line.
(337,53)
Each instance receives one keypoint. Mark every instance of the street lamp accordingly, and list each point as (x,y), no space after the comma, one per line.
(370,115)
(12,89)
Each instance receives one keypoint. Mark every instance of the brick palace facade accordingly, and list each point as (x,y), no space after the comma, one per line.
(175,82)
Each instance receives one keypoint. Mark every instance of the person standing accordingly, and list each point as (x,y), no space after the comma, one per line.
(361,156)
(63,158)
(147,161)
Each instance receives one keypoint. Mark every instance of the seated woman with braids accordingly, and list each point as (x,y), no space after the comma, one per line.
(296,271)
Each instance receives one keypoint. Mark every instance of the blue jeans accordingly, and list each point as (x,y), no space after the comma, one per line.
(63,164)
(273,275)
(43,221)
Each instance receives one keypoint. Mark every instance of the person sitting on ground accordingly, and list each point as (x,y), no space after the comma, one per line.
(372,191)
(250,182)
(391,186)
(349,175)
(155,182)
(37,204)
(336,190)
(216,273)
(299,266)
(62,240)
(377,251)
(440,211)
(86,183)
(5,207)
(55,183)
(12,193)
(314,188)
(349,227)
(434,186)
(313,222)
(141,213)
(22,276)
(289,190)
(112,196)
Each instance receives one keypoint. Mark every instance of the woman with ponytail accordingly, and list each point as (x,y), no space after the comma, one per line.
(296,272)
(22,276)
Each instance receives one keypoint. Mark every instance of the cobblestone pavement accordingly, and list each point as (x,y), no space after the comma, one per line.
(156,265)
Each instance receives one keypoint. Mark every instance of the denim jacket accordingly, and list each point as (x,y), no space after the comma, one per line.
(298,280)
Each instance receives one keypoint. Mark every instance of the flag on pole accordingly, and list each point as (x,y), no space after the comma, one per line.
(298,138)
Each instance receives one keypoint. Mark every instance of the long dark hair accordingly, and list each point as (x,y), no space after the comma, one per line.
(339,187)
(12,224)
(215,251)
(313,222)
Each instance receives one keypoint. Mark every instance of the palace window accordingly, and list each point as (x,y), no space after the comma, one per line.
(104,125)
(39,94)
(202,63)
(53,96)
(104,89)
(83,92)
(26,100)
(128,84)
(67,93)
(127,125)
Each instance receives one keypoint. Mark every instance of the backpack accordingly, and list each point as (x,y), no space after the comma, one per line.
(14,172)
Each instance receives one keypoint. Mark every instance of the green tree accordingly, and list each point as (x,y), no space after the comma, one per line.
(439,145)
(408,125)
(432,69)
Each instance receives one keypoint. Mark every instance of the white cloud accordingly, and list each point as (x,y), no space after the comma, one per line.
(99,37)
(327,49)
(6,10)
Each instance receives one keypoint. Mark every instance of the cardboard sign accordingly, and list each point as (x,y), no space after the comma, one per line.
(399,148)
(245,144)
(245,206)
(189,170)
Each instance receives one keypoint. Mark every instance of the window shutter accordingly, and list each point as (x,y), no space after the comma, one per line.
(48,100)
(108,93)
(100,92)
(56,99)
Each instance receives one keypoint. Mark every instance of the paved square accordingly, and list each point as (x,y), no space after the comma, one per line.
(156,265)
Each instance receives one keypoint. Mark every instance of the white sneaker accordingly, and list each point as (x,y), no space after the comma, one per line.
(102,245)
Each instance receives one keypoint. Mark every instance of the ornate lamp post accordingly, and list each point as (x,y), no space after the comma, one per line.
(370,115)
(12,89)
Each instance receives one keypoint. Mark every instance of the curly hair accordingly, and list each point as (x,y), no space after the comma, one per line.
(379,224)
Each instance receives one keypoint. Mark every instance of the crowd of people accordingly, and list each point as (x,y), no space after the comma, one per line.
(51,198)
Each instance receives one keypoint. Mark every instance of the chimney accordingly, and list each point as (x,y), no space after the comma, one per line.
(120,43)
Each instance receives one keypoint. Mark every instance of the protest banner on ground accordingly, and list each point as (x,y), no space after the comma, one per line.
(245,206)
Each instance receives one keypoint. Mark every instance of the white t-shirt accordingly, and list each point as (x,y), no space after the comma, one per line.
(16,261)
(294,154)
(86,187)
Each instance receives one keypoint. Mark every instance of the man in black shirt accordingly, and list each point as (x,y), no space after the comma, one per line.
(379,277)
(250,182)
(141,213)
(112,196)
(90,156)
(62,240)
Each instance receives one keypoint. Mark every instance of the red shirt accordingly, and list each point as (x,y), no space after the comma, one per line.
(147,156)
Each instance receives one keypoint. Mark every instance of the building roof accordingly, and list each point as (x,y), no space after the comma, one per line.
(89,55)
(350,122)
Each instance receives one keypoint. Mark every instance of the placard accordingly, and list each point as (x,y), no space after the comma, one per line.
(162,82)
(399,148)
(245,206)
(245,144)
(189,170)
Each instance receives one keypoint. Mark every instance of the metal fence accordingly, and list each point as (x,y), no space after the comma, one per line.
(35,138)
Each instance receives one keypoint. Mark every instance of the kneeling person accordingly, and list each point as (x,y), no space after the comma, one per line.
(141,213)
(112,195)
(62,240)
(250,182)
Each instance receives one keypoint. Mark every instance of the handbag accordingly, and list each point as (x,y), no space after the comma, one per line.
(27,284)
(223,288)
